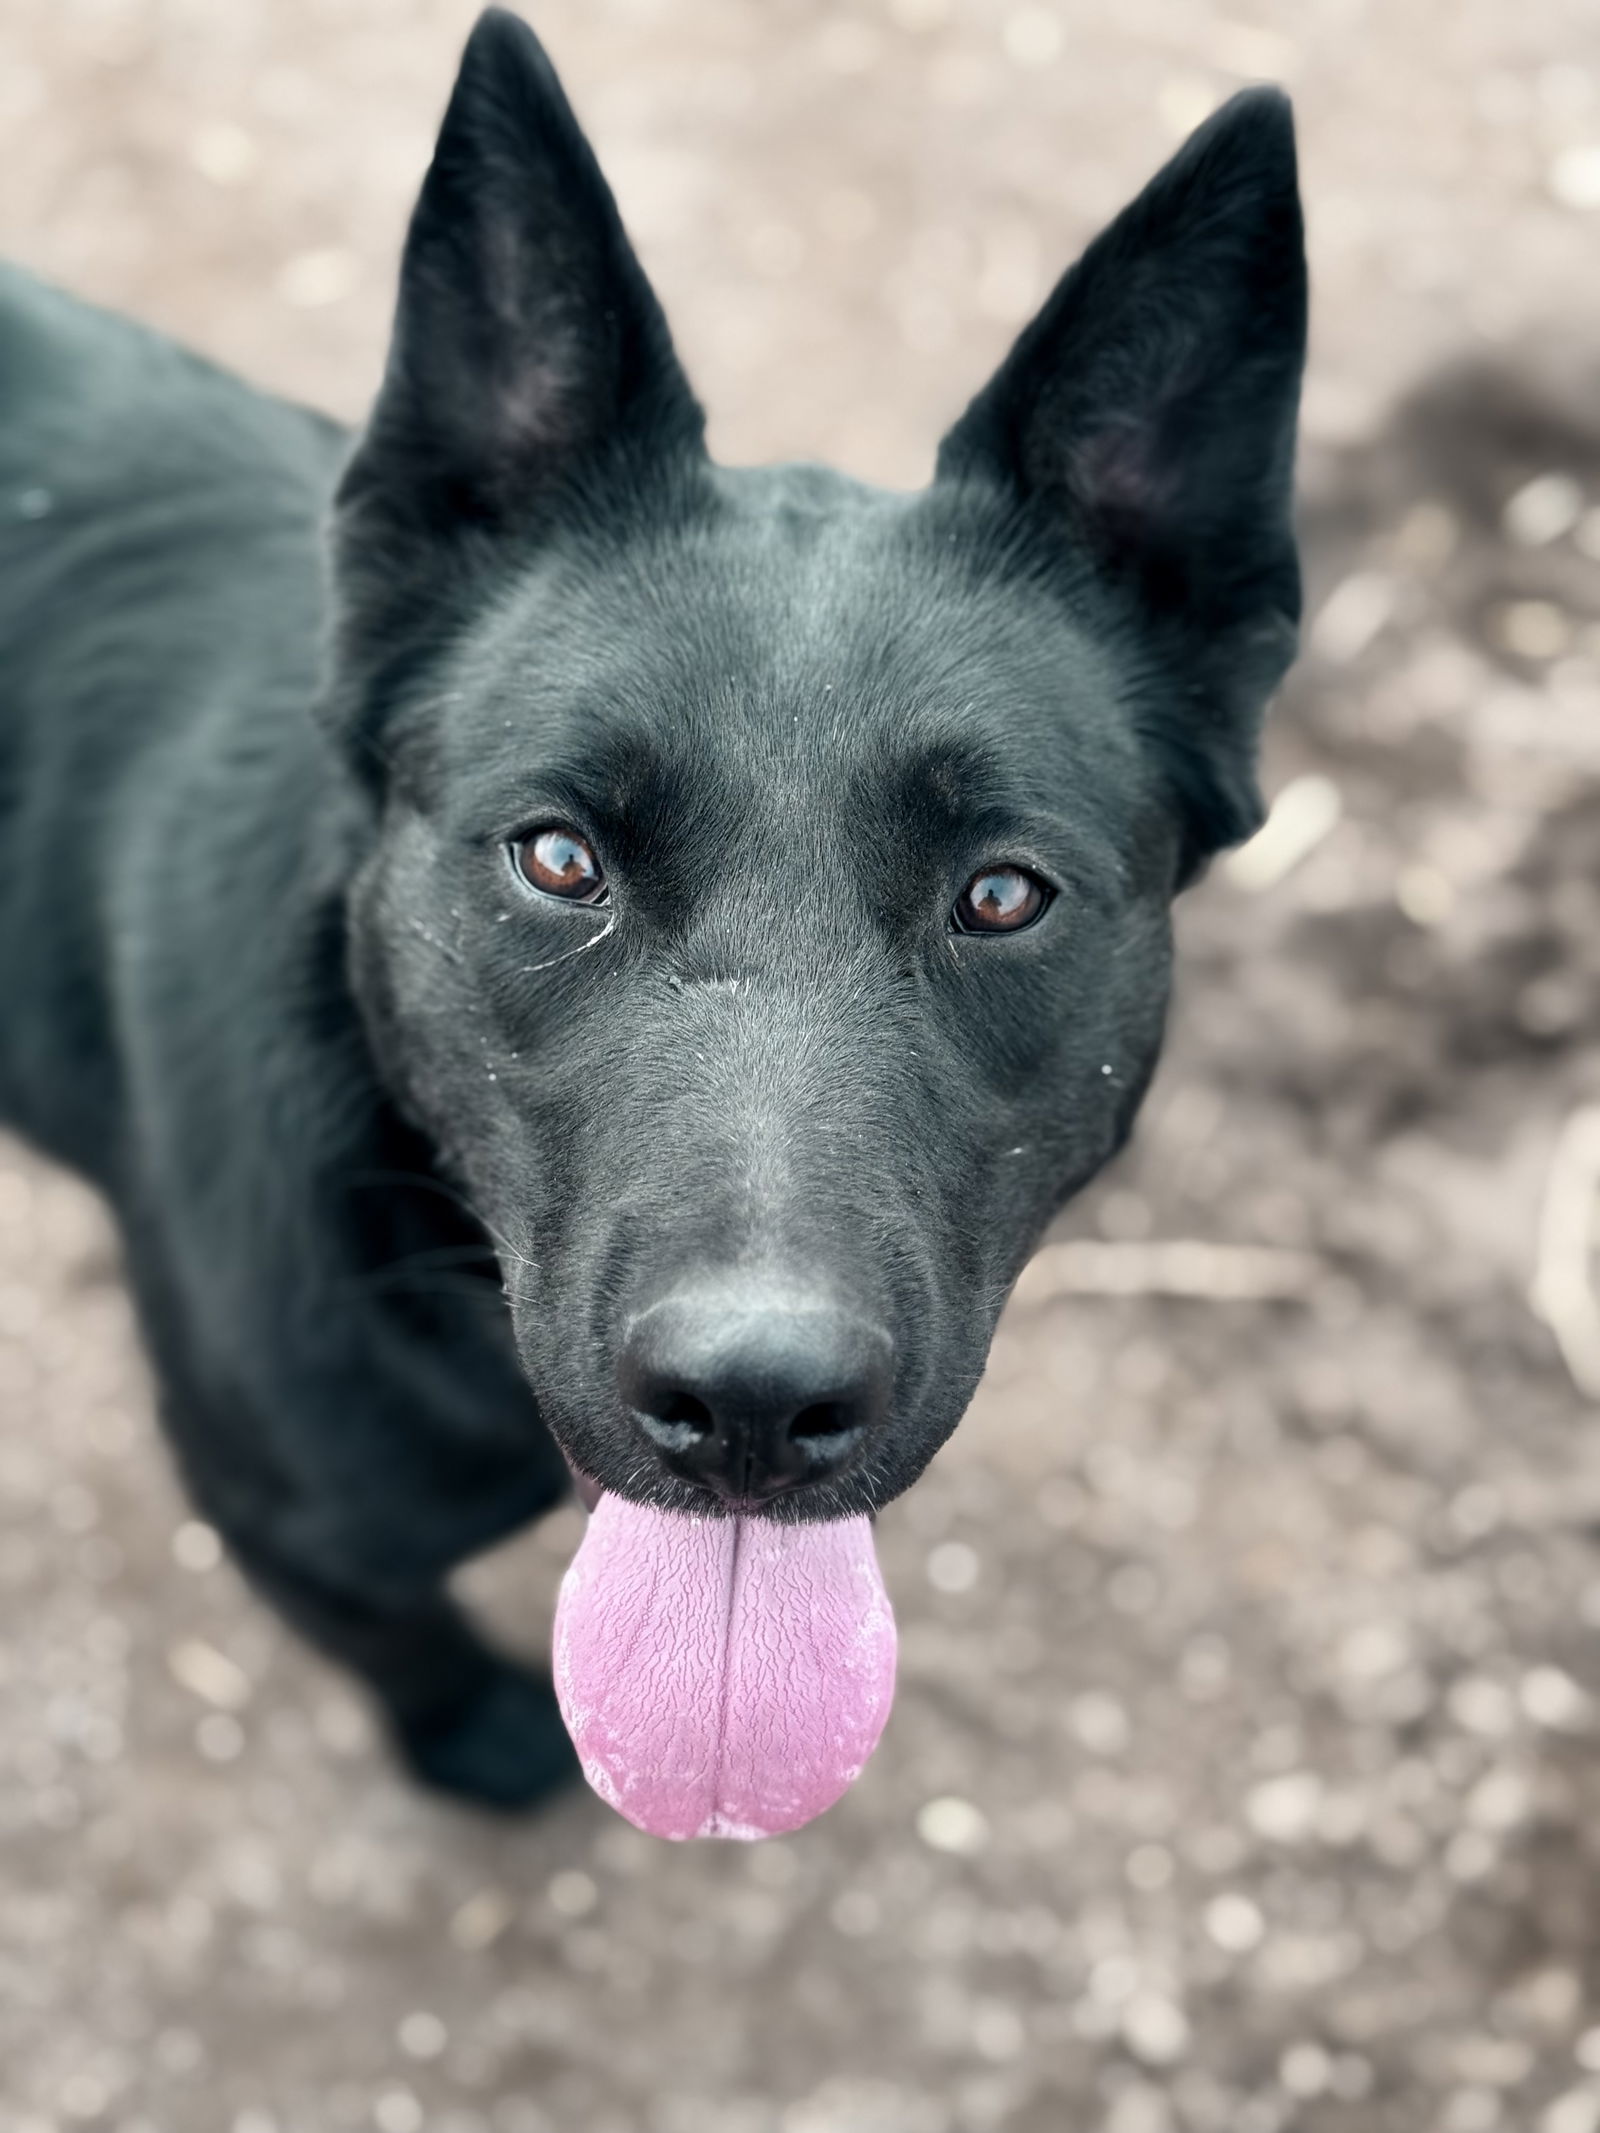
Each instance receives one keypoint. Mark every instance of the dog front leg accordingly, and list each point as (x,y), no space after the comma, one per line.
(466,1718)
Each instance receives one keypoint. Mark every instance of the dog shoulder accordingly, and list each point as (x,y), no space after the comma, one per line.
(91,398)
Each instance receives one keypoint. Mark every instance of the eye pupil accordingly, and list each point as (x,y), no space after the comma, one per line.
(999,900)
(560,863)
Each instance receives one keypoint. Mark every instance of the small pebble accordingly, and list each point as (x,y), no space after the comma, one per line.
(1351,616)
(223,152)
(1305,2070)
(1284,1809)
(312,280)
(480,1921)
(1500,1801)
(1155,2029)
(953,1567)
(572,1893)
(1542,510)
(1574,181)
(209,1674)
(1098,1722)
(1483,1706)
(1234,1923)
(953,1825)
(196,1547)
(1553,1699)
(1578,2111)
(422,2035)
(1532,629)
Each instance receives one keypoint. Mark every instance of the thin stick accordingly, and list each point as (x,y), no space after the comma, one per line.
(1561,1291)
(1178,1266)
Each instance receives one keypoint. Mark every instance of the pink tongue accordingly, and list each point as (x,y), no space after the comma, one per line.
(722,1677)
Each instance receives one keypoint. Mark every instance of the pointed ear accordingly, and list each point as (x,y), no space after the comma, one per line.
(529,350)
(1147,417)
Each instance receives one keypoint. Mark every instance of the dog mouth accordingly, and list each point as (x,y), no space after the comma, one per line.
(722,1673)
(584,1486)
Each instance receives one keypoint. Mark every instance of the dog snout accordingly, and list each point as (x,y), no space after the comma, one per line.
(751,1393)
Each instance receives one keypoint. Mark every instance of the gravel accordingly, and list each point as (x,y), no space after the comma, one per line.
(1246,1767)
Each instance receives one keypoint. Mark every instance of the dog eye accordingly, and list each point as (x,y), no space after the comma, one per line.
(558,862)
(999,900)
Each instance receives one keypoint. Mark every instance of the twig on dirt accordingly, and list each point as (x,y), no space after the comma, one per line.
(1302,815)
(1561,1292)
(1179,1266)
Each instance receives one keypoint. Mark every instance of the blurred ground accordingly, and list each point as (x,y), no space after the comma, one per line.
(1246,1771)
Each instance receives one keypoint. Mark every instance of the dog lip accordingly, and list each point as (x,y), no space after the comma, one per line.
(589,1492)
(585,1487)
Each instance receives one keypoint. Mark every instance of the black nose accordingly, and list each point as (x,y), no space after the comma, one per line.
(752,1392)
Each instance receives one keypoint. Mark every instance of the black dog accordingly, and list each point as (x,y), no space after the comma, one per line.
(720,914)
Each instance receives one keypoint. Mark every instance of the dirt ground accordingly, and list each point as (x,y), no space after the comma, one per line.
(1245,1774)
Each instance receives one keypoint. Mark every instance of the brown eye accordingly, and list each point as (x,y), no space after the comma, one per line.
(560,863)
(999,900)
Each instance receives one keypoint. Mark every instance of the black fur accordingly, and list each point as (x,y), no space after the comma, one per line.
(271,709)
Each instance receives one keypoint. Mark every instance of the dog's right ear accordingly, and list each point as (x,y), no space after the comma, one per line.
(529,355)
(1145,422)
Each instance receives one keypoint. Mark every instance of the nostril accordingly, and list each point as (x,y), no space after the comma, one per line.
(684,1411)
(677,1421)
(826,1421)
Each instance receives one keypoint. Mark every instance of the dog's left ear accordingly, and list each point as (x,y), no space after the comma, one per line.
(530,358)
(1146,417)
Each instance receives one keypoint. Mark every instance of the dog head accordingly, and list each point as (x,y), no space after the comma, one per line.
(765,911)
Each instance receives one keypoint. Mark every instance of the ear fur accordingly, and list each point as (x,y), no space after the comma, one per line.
(529,357)
(1146,419)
